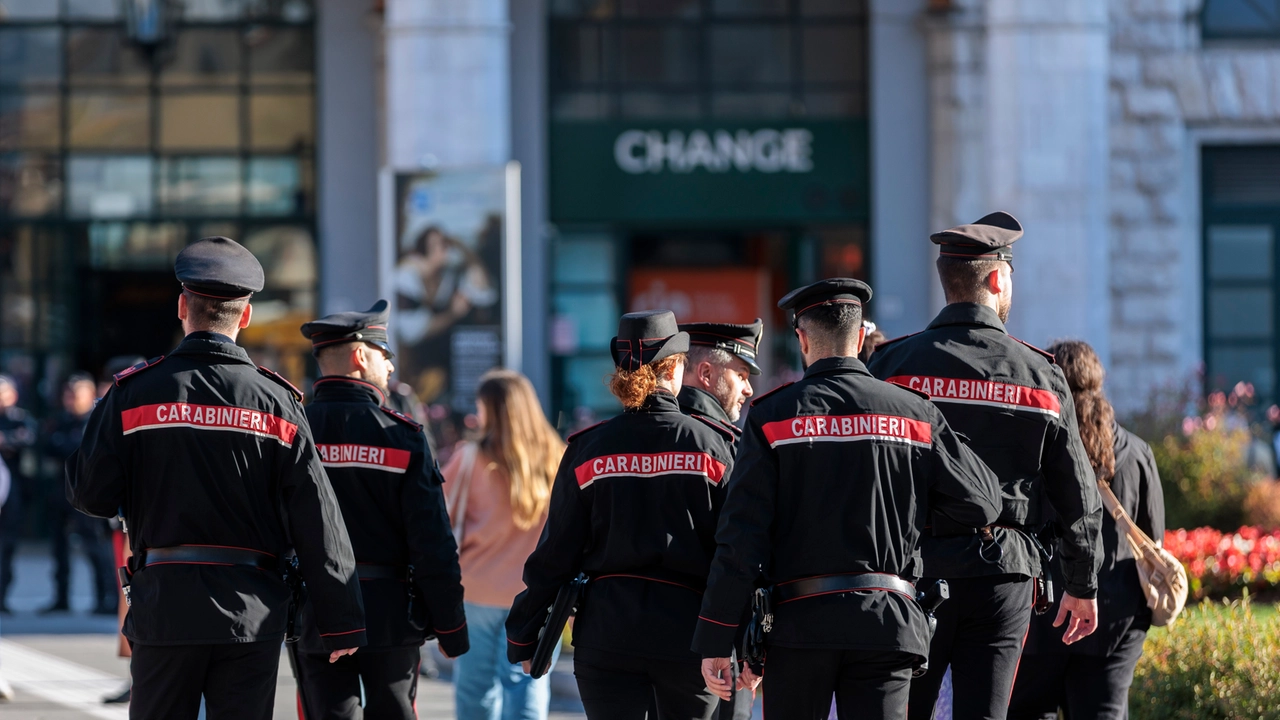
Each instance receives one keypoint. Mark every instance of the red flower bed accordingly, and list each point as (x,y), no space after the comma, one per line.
(1223,564)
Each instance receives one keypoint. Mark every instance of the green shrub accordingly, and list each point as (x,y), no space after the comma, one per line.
(1221,661)
(1206,477)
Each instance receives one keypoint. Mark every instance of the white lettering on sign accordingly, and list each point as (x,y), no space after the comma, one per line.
(767,151)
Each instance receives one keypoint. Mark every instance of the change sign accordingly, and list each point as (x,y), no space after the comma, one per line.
(709,172)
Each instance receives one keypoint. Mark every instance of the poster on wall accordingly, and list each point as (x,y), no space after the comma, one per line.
(453,236)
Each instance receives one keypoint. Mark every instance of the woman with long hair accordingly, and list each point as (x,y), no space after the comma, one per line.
(499,487)
(1091,678)
(635,507)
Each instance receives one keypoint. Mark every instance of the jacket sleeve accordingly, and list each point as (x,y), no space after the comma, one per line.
(557,560)
(433,552)
(320,539)
(1150,510)
(1073,491)
(962,487)
(95,472)
(742,544)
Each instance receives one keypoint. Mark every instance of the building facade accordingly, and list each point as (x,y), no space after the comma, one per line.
(704,155)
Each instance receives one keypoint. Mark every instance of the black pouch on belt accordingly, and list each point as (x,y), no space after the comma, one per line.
(758,628)
(1044,583)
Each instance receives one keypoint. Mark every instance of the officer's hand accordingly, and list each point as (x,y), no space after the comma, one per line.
(748,680)
(715,671)
(333,656)
(527,666)
(1084,618)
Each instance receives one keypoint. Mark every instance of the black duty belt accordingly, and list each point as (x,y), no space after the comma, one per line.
(830,584)
(209,555)
(673,579)
(382,572)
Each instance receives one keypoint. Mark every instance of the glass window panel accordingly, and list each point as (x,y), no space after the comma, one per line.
(592,313)
(99,120)
(659,105)
(102,56)
(200,185)
(214,10)
(1241,18)
(1239,313)
(93,9)
(583,8)
(281,121)
(750,105)
(585,260)
(1241,252)
(833,55)
(28,9)
(30,184)
(29,121)
(830,8)
(1230,365)
(30,56)
(585,384)
(109,186)
(288,255)
(683,9)
(577,54)
(659,55)
(120,245)
(749,7)
(203,57)
(750,54)
(199,122)
(835,104)
(279,56)
(580,106)
(278,186)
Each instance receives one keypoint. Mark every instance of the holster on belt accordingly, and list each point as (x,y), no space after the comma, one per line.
(1044,583)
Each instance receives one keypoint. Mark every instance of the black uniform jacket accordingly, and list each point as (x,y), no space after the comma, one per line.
(389,489)
(634,506)
(837,474)
(203,448)
(1121,604)
(696,401)
(1013,405)
(17,433)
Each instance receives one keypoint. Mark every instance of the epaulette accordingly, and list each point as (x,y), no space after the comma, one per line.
(1047,355)
(584,431)
(887,343)
(120,376)
(912,390)
(718,426)
(758,398)
(401,417)
(297,394)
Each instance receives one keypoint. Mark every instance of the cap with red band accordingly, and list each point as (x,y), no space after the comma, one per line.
(832,291)
(990,238)
(346,327)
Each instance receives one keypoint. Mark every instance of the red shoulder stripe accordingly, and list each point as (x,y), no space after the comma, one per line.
(297,394)
(727,430)
(120,376)
(758,398)
(401,417)
(584,430)
(1047,355)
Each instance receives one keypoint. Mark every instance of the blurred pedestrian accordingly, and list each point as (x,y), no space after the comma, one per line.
(634,507)
(499,489)
(874,338)
(17,437)
(389,489)
(1091,678)
(61,439)
(6,690)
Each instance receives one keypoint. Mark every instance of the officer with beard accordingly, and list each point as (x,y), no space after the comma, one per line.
(389,489)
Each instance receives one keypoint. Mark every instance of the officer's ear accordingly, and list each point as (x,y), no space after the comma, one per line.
(862,338)
(183,310)
(995,282)
(804,340)
(245,316)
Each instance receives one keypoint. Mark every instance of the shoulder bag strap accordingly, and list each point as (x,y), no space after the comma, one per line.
(1138,540)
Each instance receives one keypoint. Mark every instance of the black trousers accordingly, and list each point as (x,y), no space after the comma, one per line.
(1087,687)
(10,530)
(980,634)
(238,681)
(95,540)
(798,683)
(614,686)
(331,691)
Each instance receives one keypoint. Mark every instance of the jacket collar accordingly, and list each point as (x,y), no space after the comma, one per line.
(338,388)
(211,343)
(834,365)
(659,401)
(700,402)
(968,314)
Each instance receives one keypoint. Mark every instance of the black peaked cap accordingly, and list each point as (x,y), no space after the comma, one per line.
(741,340)
(219,267)
(832,291)
(645,338)
(369,327)
(990,238)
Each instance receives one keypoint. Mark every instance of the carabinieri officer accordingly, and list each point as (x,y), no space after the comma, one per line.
(389,488)
(211,462)
(836,476)
(634,506)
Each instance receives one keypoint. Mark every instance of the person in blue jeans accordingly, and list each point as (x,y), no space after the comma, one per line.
(498,489)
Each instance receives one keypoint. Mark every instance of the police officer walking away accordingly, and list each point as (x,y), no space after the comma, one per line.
(211,462)
(634,506)
(836,476)
(389,488)
(1014,406)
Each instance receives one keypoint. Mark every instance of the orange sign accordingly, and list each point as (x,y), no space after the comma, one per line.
(731,295)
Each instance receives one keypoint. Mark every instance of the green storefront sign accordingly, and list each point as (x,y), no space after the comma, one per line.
(713,171)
